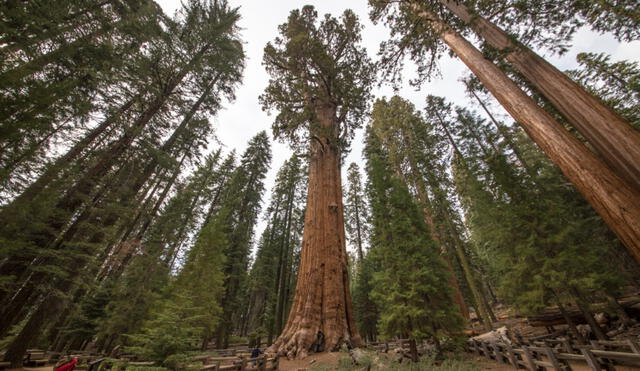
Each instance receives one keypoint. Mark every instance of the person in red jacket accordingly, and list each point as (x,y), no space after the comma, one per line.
(67,363)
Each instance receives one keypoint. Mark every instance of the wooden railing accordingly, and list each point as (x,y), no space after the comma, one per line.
(559,354)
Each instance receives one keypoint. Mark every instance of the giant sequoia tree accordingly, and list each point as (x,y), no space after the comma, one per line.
(320,87)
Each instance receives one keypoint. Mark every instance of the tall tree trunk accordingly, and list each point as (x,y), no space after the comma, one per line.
(612,137)
(322,300)
(358,230)
(570,323)
(613,198)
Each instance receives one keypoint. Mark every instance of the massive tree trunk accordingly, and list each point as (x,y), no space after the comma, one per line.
(322,300)
(612,197)
(617,142)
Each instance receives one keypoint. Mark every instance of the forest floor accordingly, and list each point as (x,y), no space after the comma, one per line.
(340,361)
(46,368)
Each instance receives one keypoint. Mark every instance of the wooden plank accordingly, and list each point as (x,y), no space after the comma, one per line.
(528,358)
(634,357)
(571,357)
(222,359)
(591,360)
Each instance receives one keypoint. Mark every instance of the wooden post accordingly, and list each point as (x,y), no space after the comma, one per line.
(243,365)
(528,358)
(511,355)
(485,350)
(497,352)
(476,350)
(566,343)
(552,358)
(591,360)
(634,346)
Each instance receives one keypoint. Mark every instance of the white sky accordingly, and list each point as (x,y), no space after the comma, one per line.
(242,119)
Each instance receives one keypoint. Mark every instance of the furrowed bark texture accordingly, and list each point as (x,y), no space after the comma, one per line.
(322,301)
(617,142)
(612,197)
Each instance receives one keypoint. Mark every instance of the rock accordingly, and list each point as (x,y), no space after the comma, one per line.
(357,355)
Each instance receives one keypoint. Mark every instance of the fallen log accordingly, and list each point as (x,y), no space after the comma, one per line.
(552,316)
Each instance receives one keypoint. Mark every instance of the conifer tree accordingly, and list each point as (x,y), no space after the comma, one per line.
(356,214)
(320,82)
(411,287)
(241,205)
(272,275)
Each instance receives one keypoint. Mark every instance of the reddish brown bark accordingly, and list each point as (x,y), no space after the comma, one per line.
(613,198)
(322,301)
(617,142)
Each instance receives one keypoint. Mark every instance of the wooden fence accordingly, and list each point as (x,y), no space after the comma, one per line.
(560,354)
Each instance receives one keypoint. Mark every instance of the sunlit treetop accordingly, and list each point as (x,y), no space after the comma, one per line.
(317,64)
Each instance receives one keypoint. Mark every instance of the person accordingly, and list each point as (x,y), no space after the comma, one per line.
(67,363)
(256,353)
(319,344)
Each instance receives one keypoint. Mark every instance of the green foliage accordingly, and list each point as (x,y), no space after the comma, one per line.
(410,286)
(313,64)
(616,83)
(537,237)
(172,332)
(273,273)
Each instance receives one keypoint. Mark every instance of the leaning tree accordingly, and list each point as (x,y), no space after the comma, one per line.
(421,30)
(320,85)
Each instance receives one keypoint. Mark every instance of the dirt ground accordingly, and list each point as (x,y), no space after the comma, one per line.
(324,359)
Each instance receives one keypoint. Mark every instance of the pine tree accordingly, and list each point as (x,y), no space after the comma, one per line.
(242,203)
(356,213)
(272,275)
(411,286)
(320,86)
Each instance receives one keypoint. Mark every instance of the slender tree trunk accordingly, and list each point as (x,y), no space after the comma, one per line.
(586,312)
(612,137)
(44,312)
(613,198)
(322,300)
(619,310)
(570,323)
(503,131)
(358,230)
(54,170)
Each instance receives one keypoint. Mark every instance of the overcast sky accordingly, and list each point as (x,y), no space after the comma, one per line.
(242,119)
